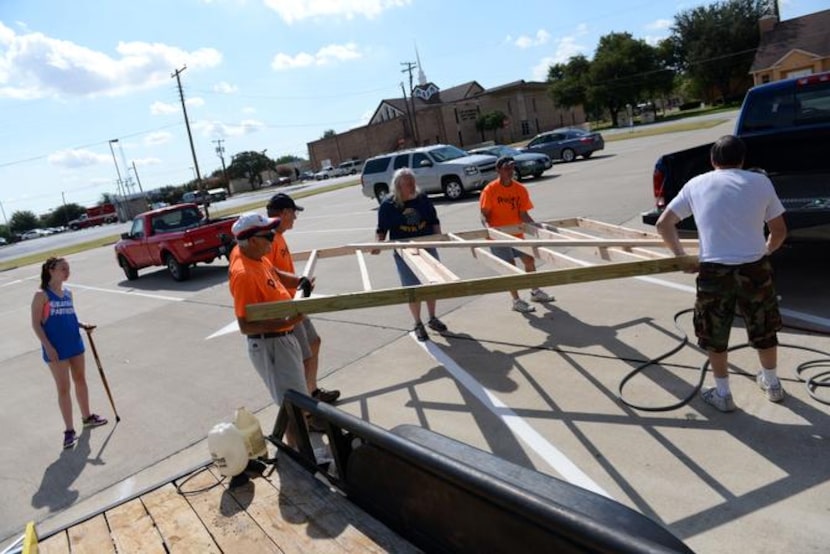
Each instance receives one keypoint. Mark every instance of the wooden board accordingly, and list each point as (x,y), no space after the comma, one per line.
(91,537)
(180,527)
(594,251)
(133,529)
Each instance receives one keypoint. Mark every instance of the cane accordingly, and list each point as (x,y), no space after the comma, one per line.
(101,372)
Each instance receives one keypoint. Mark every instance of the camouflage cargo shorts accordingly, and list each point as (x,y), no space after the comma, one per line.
(722,288)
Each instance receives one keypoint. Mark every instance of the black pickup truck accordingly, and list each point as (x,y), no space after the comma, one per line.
(786,128)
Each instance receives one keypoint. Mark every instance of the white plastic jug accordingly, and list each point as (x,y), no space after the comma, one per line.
(248,425)
(227,449)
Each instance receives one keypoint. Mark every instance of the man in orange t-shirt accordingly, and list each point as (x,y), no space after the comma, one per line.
(505,202)
(272,347)
(283,206)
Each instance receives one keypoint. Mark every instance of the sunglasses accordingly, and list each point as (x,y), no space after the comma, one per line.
(269,236)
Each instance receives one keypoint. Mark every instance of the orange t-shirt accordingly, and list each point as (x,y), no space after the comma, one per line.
(253,282)
(280,256)
(504,204)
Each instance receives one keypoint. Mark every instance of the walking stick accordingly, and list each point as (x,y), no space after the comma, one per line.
(101,372)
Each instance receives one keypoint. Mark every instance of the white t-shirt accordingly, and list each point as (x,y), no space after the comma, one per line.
(730,208)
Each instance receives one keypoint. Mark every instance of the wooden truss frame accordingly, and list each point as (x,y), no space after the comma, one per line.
(622,252)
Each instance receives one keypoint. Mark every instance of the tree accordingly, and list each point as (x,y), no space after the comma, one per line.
(23,221)
(62,215)
(569,82)
(250,165)
(715,45)
(621,72)
(329,133)
(288,159)
(491,121)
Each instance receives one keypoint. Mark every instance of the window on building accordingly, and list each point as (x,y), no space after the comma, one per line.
(765,78)
(525,127)
(509,108)
(534,104)
(456,115)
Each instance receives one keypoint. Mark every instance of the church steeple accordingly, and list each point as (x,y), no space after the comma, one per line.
(422,78)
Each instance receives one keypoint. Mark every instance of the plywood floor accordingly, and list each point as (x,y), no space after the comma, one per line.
(286,511)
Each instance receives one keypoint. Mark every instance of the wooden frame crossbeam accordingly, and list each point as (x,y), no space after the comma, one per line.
(610,242)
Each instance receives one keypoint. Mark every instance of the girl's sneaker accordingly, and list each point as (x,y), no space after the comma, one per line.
(94,420)
(69,439)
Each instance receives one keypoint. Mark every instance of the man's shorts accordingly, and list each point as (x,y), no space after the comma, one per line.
(722,288)
(507,253)
(279,362)
(306,335)
(407,276)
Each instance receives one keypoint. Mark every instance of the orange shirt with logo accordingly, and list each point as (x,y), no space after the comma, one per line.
(504,204)
(253,282)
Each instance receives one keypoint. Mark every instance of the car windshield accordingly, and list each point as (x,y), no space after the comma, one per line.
(505,151)
(446,153)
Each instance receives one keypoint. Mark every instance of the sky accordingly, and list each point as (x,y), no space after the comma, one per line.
(261,75)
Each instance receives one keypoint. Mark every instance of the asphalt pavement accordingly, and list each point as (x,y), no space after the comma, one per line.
(540,389)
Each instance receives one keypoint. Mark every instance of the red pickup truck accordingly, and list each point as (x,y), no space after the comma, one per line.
(96,215)
(176,237)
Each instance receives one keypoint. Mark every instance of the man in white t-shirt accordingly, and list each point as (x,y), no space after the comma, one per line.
(730,206)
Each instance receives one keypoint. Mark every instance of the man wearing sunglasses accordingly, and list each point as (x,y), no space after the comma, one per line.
(273,349)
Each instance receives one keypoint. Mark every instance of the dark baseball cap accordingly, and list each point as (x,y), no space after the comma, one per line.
(282,201)
(505,160)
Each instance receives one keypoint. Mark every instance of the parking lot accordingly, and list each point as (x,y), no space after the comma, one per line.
(539,389)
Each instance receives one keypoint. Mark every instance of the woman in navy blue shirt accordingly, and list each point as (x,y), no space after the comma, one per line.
(57,327)
(404,214)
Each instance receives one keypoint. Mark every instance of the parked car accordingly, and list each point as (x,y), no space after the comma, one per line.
(325,173)
(349,167)
(195,197)
(527,163)
(217,194)
(33,234)
(566,144)
(437,168)
(3,241)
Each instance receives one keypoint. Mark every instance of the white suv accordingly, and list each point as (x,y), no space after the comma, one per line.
(349,167)
(439,168)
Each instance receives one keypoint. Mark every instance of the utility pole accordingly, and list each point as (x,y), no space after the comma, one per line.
(408,112)
(128,213)
(176,74)
(220,151)
(408,67)
(137,180)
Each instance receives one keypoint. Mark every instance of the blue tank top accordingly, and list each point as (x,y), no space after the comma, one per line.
(61,326)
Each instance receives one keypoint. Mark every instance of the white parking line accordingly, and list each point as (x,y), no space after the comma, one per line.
(520,428)
(130,292)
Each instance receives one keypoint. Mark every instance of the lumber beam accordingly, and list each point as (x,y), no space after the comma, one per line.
(471,287)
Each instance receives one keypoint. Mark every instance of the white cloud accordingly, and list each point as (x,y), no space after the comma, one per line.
(325,55)
(249,110)
(225,88)
(222,130)
(196,102)
(157,137)
(566,47)
(71,159)
(659,25)
(163,108)
(33,65)
(296,10)
(146,161)
(541,37)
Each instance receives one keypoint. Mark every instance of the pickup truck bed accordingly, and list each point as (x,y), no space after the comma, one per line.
(793,147)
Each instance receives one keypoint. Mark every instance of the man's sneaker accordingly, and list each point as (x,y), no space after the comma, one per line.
(94,420)
(774,392)
(436,325)
(420,332)
(722,403)
(327,396)
(538,295)
(69,439)
(523,307)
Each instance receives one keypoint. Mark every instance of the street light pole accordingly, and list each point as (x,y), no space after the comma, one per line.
(127,210)
(4,214)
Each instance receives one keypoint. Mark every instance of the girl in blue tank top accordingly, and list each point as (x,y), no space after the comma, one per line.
(57,327)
